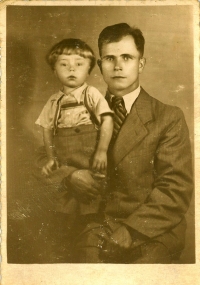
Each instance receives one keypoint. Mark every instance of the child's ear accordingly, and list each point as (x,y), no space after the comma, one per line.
(99,64)
(142,64)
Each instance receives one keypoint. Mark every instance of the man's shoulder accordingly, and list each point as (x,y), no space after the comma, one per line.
(159,108)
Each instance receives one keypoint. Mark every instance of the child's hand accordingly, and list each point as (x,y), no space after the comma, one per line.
(100,161)
(52,164)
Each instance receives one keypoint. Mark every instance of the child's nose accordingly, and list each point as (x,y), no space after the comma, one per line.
(72,68)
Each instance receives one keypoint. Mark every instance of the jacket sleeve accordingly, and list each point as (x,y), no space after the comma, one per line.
(172,188)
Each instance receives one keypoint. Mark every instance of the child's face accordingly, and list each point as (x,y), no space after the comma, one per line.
(120,65)
(72,70)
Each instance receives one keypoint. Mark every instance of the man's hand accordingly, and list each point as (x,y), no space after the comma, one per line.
(120,238)
(116,245)
(84,186)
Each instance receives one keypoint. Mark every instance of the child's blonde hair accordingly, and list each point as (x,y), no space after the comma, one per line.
(68,47)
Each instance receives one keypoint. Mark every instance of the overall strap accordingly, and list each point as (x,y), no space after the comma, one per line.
(85,101)
(87,105)
(57,112)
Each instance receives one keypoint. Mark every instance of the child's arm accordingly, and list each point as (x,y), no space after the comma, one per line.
(100,156)
(52,163)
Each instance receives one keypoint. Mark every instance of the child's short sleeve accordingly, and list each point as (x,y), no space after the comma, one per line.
(46,117)
(99,104)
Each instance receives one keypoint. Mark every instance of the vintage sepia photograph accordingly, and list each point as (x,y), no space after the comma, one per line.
(100,156)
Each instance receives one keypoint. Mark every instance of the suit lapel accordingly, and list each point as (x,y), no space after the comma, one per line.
(133,129)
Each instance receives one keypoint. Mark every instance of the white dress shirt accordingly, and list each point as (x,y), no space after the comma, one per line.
(130,98)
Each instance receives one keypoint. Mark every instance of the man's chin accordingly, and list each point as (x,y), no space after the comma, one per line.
(117,88)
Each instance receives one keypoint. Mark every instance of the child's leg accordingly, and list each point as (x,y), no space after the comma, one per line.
(78,160)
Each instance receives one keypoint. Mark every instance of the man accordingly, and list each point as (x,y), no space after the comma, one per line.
(150,170)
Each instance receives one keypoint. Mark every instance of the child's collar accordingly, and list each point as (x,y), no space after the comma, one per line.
(76,92)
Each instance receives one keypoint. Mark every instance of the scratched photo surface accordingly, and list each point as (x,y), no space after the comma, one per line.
(36,233)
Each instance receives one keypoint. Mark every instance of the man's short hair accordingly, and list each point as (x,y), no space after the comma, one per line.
(116,32)
(68,47)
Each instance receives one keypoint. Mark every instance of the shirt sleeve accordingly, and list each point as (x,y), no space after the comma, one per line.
(98,103)
(46,117)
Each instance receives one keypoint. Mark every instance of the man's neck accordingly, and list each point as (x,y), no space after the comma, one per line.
(124,91)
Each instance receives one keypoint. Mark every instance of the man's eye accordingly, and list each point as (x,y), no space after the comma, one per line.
(109,58)
(126,57)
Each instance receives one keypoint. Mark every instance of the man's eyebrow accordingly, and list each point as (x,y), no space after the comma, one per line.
(108,55)
(63,59)
(127,54)
(122,55)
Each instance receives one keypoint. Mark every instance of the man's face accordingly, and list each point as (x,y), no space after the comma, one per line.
(72,70)
(121,65)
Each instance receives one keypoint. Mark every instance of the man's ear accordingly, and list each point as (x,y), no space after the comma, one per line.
(99,64)
(55,73)
(142,64)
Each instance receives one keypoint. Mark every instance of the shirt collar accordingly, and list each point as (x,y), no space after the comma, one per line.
(130,98)
(76,93)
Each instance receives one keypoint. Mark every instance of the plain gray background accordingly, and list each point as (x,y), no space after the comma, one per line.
(32,30)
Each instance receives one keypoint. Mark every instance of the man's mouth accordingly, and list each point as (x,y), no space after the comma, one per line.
(118,77)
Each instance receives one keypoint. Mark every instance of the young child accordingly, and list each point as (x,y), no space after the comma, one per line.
(70,117)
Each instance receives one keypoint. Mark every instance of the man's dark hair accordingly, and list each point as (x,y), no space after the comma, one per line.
(68,47)
(116,32)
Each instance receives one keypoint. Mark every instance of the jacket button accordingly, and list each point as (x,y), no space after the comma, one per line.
(77,130)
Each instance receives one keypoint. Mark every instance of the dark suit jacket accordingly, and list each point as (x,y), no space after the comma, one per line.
(151,172)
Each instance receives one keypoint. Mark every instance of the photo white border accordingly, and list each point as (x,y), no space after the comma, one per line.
(72,274)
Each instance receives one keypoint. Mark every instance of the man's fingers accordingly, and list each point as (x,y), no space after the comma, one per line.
(49,171)
(95,186)
(93,191)
(44,172)
(91,196)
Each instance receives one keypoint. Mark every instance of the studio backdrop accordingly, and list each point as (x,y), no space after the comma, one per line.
(33,30)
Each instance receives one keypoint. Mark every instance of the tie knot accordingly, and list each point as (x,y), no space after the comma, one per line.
(117,100)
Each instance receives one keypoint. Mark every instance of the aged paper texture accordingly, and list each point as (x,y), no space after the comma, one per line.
(33,248)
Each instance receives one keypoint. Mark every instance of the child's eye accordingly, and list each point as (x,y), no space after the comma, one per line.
(63,64)
(79,63)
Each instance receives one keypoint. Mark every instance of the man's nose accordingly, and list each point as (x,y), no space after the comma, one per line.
(118,64)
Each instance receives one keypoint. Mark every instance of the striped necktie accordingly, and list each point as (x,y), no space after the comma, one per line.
(120,114)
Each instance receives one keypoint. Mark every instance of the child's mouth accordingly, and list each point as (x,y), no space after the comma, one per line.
(71,77)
